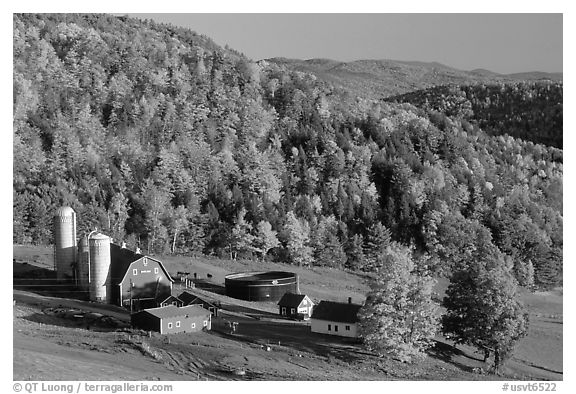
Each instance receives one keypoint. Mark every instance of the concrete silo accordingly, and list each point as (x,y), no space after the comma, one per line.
(65,242)
(99,263)
(82,266)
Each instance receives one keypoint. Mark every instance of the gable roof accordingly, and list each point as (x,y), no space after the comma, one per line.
(336,311)
(187,297)
(171,297)
(122,258)
(291,300)
(174,311)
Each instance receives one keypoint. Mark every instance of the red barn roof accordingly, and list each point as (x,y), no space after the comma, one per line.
(122,258)
(174,311)
(291,300)
(336,311)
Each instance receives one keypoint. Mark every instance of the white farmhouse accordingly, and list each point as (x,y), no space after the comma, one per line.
(336,318)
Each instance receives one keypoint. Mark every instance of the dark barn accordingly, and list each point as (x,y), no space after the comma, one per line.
(296,306)
(172,320)
(172,300)
(191,299)
(137,281)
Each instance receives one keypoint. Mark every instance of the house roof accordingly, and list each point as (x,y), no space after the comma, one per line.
(171,297)
(187,297)
(122,258)
(291,300)
(174,311)
(336,311)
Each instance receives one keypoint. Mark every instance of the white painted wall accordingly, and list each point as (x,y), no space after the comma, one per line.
(321,326)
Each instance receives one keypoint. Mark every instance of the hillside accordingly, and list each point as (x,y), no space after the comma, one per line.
(378,79)
(159,138)
(531,111)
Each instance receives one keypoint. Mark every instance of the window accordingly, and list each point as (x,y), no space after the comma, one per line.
(156,270)
(292,310)
(335,328)
(347,328)
(284,310)
(178,323)
(193,325)
(205,323)
(135,271)
(169,325)
(329,327)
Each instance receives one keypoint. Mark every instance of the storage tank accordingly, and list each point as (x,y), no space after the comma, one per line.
(65,242)
(261,286)
(99,262)
(82,265)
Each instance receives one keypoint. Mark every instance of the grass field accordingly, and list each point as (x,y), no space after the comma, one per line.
(56,348)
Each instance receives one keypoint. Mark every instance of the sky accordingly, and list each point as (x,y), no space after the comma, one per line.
(504,43)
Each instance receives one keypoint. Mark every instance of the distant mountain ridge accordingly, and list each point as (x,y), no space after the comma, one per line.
(384,78)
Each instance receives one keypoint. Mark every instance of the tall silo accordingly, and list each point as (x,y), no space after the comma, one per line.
(82,266)
(65,242)
(99,262)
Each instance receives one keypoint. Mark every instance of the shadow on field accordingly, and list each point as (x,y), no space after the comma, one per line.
(295,336)
(78,319)
(449,353)
(210,286)
(42,281)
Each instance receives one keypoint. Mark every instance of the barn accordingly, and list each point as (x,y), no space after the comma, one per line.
(191,299)
(172,320)
(297,306)
(335,318)
(137,281)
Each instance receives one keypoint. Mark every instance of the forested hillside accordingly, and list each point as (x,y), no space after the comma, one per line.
(157,136)
(527,110)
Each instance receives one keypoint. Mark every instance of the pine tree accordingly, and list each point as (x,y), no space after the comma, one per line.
(355,253)
(376,242)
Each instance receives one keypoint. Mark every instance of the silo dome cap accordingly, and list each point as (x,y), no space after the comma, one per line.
(64,211)
(99,236)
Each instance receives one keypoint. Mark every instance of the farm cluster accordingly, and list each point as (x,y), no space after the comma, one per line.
(112,274)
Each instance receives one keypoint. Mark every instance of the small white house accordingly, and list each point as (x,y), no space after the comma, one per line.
(335,318)
(298,306)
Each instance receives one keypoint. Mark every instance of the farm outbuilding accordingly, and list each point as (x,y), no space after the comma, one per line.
(137,281)
(297,306)
(335,318)
(172,320)
(172,300)
(192,299)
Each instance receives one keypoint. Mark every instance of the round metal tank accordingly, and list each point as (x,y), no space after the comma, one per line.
(261,286)
(65,242)
(82,266)
(99,261)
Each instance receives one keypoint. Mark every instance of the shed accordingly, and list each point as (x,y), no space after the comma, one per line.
(137,281)
(172,300)
(172,319)
(335,318)
(192,299)
(298,306)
